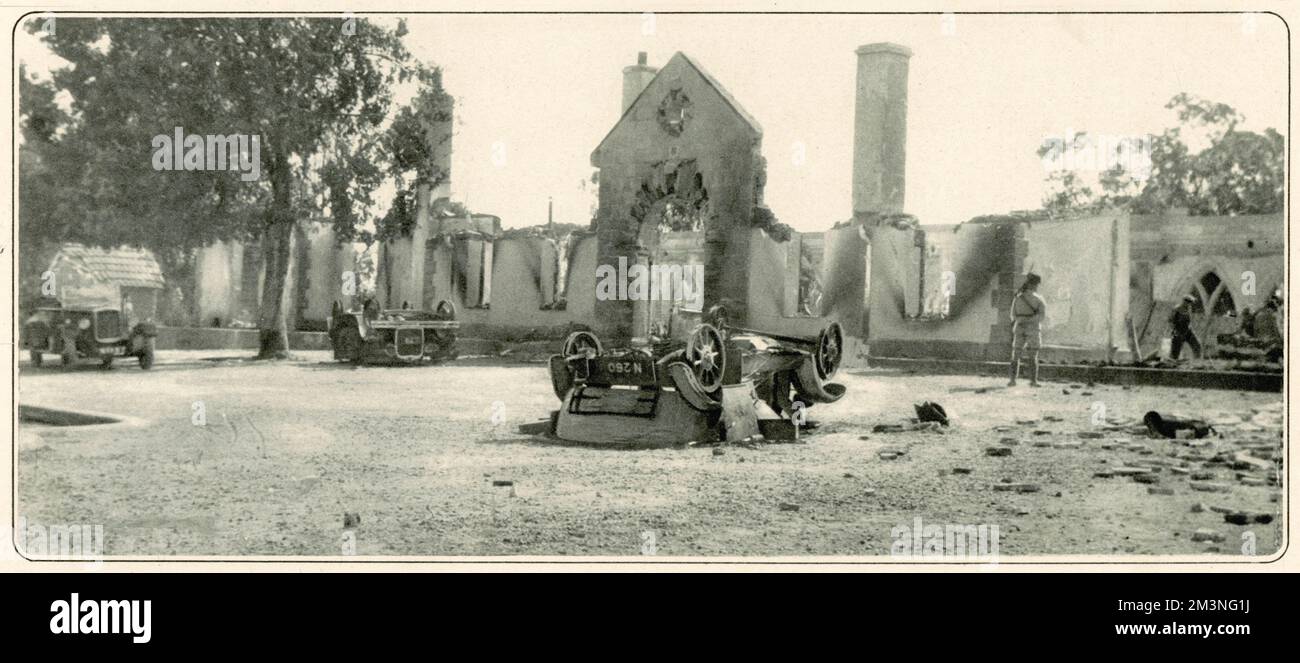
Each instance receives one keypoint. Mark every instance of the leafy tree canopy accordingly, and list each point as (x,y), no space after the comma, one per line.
(1238,172)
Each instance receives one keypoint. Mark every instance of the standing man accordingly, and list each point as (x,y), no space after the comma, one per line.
(1181,322)
(1027,312)
(1267,327)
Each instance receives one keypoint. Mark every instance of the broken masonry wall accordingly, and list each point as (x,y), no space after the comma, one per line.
(954,303)
(449,274)
(981,258)
(401,260)
(323,266)
(1172,252)
(524,274)
(229,277)
(580,280)
(959,262)
(218,277)
(1085,268)
(771,261)
(643,147)
(520,283)
(516,296)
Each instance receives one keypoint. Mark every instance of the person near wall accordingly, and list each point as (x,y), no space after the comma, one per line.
(1247,323)
(1180,321)
(1027,313)
(1268,327)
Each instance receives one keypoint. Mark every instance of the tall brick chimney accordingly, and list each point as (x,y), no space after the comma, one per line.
(635,78)
(880,128)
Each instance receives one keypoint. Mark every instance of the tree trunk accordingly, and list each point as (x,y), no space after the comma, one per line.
(273,341)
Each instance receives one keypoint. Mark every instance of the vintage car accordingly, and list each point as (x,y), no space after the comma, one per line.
(402,335)
(87,332)
(724,383)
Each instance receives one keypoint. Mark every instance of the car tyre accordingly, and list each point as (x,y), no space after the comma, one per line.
(37,359)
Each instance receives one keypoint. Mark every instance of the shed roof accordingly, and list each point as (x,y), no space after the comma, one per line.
(122,266)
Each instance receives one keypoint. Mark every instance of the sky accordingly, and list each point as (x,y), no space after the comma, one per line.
(536,93)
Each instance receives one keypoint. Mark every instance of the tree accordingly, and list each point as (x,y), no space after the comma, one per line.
(315,91)
(40,161)
(1239,172)
(418,136)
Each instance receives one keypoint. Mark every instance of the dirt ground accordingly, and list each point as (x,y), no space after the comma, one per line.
(290,447)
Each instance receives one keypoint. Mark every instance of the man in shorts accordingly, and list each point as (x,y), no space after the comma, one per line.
(1027,312)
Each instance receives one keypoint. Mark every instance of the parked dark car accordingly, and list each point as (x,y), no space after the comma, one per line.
(87,332)
(405,335)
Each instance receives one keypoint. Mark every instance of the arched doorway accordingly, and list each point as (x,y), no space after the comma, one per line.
(671,210)
(1214,311)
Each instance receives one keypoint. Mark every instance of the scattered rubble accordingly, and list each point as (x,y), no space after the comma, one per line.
(1007,485)
(1244,518)
(908,427)
(928,411)
(1208,535)
(1130,471)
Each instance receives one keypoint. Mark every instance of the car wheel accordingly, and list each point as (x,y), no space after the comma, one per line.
(37,359)
(349,345)
(146,355)
(106,362)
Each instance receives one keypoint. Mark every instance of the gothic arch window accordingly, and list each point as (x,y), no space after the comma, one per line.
(1212,295)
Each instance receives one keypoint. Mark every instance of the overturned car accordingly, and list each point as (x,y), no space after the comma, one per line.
(403,335)
(724,383)
(88,332)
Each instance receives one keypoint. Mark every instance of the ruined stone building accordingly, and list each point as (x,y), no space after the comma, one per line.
(681,177)
(1229,265)
(229,277)
(501,282)
(685,157)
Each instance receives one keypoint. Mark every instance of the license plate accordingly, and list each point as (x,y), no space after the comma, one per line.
(409,342)
(629,370)
(115,350)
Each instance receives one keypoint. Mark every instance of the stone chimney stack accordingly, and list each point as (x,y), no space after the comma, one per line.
(880,128)
(635,78)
